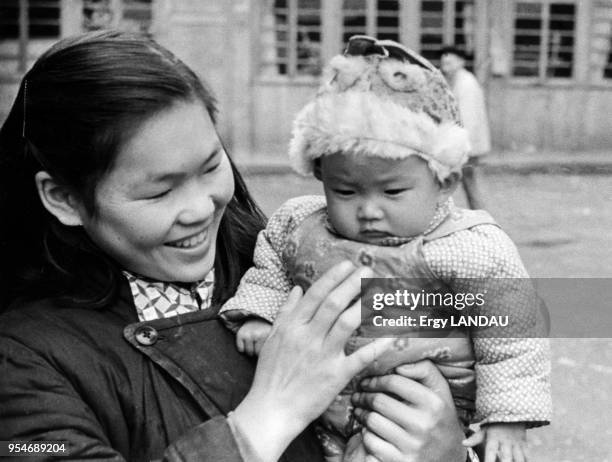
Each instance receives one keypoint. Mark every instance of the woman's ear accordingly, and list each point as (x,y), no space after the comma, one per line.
(450,183)
(58,200)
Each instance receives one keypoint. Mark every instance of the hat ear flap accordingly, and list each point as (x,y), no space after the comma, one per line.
(450,183)
(316,169)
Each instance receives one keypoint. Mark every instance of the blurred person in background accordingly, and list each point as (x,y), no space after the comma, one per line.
(471,101)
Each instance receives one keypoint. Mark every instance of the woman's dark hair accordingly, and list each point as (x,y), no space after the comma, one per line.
(77,106)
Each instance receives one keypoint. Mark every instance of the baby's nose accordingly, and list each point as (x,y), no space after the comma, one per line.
(369,210)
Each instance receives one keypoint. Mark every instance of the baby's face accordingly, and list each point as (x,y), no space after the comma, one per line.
(371,198)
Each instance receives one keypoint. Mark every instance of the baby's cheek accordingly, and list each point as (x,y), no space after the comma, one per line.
(405,224)
(343,221)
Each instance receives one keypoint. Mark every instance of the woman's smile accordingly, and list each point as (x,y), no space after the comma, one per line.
(190,242)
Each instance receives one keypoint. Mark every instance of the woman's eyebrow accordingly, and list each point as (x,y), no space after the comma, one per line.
(172,176)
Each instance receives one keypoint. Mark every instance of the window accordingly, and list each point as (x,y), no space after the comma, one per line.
(608,68)
(291,38)
(28,27)
(294,32)
(447,22)
(378,18)
(600,58)
(544,34)
(132,15)
(21,22)
(41,21)
(137,15)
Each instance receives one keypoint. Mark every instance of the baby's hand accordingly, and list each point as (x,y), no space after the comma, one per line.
(505,442)
(252,335)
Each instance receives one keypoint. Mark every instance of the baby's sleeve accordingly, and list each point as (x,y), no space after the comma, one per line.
(512,372)
(266,285)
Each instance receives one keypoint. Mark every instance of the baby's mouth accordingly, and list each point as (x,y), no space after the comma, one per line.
(374,233)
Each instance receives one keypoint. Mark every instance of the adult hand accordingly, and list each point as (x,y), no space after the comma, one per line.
(409,416)
(302,365)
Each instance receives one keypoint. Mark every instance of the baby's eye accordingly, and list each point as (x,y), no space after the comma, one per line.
(395,191)
(344,192)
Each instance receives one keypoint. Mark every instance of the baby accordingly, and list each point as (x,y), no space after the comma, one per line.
(384,138)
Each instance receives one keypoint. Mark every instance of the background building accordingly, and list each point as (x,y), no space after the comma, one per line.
(546,65)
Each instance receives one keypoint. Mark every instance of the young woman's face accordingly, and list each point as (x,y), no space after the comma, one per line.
(159,208)
(370,199)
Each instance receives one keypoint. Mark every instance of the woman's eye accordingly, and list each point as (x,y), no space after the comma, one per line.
(211,168)
(395,192)
(160,195)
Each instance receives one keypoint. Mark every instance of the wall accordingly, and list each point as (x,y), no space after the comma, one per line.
(552,117)
(275,106)
(197,32)
(215,38)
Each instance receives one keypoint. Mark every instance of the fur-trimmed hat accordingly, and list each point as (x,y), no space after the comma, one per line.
(386,102)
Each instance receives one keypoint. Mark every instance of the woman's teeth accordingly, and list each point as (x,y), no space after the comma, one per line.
(191,242)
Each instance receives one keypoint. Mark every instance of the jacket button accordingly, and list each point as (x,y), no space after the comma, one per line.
(146,335)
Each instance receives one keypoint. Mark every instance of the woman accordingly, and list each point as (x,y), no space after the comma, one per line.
(125,226)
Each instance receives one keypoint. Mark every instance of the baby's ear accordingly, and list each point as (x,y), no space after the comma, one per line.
(316,169)
(450,183)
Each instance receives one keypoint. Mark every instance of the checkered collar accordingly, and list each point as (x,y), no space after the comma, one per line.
(155,299)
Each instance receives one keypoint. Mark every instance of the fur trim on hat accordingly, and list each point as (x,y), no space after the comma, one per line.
(363,122)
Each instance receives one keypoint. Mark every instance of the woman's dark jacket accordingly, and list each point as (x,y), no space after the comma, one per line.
(114,388)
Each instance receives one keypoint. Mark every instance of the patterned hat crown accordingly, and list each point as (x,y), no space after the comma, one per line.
(389,103)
